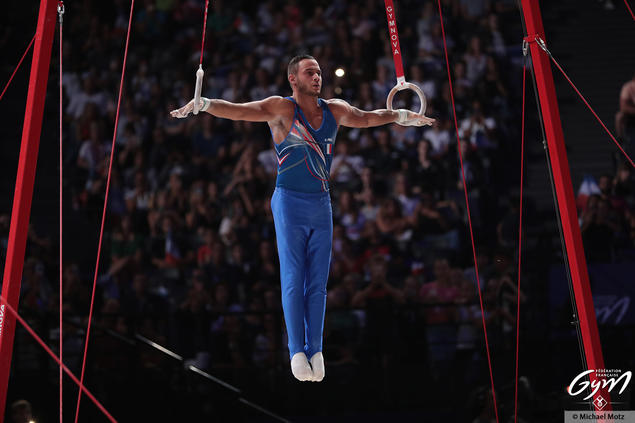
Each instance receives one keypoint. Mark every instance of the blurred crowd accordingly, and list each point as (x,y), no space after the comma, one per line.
(189,229)
(607,215)
(190,245)
(606,205)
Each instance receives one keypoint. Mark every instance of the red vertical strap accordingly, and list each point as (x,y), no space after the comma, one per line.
(25,179)
(103,216)
(393,37)
(585,311)
(204,30)
(469,218)
(17,67)
(520,237)
(60,12)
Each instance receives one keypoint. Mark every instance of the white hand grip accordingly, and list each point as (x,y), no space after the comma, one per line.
(197,90)
(407,86)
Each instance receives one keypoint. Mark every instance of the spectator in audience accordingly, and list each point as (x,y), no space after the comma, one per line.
(439,295)
(346,168)
(349,216)
(426,171)
(599,227)
(475,60)
(391,221)
(21,412)
(625,117)
(401,191)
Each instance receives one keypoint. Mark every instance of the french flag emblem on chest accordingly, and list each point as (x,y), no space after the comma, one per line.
(329,148)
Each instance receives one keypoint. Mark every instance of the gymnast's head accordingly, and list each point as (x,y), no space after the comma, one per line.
(304,75)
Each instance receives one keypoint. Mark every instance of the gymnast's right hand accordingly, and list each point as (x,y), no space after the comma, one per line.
(185,111)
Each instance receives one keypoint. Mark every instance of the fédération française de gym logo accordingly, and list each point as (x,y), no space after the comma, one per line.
(608,379)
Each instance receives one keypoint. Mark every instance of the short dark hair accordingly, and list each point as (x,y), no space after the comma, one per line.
(293,63)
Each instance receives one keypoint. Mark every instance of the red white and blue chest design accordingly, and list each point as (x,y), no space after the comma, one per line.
(305,155)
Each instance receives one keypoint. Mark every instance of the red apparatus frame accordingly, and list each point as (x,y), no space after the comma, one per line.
(564,192)
(23,196)
(28,159)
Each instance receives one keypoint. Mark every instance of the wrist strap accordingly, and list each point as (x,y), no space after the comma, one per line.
(206,102)
(403,115)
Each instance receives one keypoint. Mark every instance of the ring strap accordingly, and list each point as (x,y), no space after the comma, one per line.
(393,36)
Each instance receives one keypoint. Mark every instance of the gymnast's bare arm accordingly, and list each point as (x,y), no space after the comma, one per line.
(266,110)
(352,117)
(274,110)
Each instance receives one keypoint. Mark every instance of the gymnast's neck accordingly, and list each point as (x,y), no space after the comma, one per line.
(308,103)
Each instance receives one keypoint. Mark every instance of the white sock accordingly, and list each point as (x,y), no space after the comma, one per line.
(317,363)
(300,367)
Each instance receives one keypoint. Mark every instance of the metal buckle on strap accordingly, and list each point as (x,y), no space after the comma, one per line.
(60,11)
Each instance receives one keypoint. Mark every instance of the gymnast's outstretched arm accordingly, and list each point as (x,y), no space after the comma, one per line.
(352,117)
(265,110)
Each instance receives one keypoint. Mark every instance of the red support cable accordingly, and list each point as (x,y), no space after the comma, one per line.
(25,179)
(103,216)
(555,62)
(520,237)
(204,30)
(629,9)
(46,348)
(469,217)
(60,13)
(564,192)
(17,67)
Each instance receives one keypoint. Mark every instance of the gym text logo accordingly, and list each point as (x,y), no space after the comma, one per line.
(605,378)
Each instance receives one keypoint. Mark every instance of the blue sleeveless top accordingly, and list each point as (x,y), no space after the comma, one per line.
(305,155)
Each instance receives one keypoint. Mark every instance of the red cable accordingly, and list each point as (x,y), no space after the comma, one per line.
(520,239)
(56,358)
(17,67)
(103,217)
(590,108)
(204,29)
(469,218)
(61,293)
(629,9)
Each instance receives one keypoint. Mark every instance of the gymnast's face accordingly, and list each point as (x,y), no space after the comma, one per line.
(308,80)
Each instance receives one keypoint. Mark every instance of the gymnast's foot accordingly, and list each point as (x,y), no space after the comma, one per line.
(317,363)
(300,367)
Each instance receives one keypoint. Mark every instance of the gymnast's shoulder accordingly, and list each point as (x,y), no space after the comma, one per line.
(277,103)
(337,105)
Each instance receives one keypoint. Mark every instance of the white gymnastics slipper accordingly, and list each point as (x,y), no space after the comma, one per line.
(317,363)
(300,367)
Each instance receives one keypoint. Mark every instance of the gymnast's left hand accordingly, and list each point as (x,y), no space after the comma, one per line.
(410,118)
(420,120)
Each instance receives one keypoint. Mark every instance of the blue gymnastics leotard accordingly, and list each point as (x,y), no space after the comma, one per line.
(303,219)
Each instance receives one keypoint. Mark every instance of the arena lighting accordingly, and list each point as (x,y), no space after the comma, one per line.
(339,72)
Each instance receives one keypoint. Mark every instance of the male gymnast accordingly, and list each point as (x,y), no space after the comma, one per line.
(304,128)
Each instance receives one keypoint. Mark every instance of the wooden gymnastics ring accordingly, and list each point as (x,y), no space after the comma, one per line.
(407,86)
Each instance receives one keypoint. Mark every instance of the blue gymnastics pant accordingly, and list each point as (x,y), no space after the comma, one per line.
(304,232)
